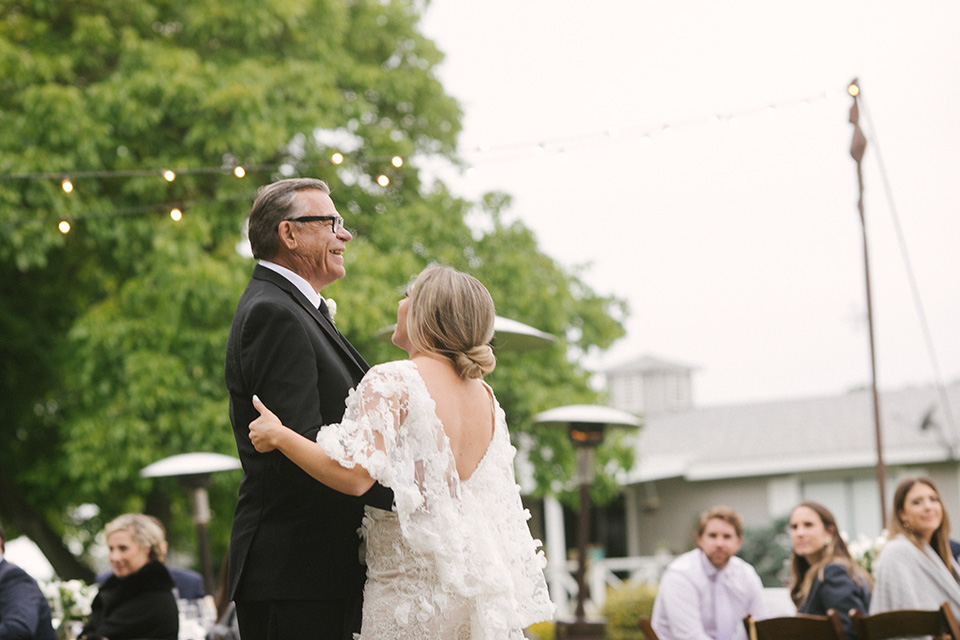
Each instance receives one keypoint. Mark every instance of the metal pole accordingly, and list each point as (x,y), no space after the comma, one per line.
(201,516)
(585,473)
(881,468)
(856,150)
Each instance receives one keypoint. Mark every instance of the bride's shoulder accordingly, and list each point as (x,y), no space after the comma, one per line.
(388,377)
(394,367)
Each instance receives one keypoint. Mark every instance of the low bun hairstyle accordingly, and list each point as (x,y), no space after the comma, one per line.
(451,314)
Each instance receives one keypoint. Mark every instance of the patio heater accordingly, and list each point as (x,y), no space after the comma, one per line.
(585,424)
(193,470)
(508,335)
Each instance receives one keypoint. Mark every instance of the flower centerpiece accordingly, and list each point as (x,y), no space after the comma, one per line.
(70,603)
(864,550)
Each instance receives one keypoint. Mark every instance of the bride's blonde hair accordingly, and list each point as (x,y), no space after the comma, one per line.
(451,314)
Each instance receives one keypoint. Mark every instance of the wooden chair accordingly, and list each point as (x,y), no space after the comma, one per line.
(907,623)
(799,627)
(648,631)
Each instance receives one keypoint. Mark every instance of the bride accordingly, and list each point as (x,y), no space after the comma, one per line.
(455,558)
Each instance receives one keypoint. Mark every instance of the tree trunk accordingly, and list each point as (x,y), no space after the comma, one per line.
(17,512)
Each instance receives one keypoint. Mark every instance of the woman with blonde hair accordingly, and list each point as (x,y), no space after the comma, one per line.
(137,601)
(455,558)
(915,569)
(823,576)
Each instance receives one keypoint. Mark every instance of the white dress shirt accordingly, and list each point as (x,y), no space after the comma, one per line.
(297,280)
(695,601)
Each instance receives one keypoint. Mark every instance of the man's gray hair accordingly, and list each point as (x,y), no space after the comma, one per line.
(275,203)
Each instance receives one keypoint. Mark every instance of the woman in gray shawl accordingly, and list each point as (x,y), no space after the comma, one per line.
(915,569)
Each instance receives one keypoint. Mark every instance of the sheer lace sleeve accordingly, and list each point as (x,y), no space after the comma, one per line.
(370,434)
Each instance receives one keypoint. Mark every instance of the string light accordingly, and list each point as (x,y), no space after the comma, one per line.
(485,153)
(556,145)
(853,89)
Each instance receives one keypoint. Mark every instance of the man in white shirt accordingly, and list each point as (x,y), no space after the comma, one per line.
(704,594)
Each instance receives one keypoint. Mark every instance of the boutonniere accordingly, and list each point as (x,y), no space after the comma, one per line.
(332,307)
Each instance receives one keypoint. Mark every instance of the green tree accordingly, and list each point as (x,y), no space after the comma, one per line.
(112,336)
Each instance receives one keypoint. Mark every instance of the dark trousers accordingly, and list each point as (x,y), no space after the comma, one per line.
(298,619)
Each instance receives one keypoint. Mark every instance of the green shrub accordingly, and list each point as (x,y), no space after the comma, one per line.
(768,550)
(624,606)
(543,631)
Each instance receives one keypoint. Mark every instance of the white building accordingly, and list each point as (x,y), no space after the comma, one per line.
(763,458)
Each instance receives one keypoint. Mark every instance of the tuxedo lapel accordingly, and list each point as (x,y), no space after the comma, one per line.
(351,354)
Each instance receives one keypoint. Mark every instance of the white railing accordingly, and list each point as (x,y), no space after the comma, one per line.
(601,574)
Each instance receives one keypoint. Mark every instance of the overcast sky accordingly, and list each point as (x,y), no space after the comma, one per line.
(694,158)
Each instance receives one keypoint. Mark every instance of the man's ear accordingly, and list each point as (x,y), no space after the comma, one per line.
(287,232)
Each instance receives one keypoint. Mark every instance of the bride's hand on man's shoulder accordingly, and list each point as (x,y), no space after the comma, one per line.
(264,430)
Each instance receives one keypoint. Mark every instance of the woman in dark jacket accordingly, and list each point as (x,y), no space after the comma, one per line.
(823,575)
(137,601)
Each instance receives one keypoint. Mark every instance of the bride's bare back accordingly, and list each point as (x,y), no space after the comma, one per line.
(464,407)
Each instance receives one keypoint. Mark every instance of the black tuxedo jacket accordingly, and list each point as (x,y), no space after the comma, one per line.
(292,537)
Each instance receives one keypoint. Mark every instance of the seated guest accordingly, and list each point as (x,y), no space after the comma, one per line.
(915,569)
(705,593)
(137,601)
(24,612)
(822,574)
(189,583)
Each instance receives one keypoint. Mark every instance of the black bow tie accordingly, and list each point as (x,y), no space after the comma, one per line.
(325,311)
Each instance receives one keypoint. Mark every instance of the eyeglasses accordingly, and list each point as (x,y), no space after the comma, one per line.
(337,221)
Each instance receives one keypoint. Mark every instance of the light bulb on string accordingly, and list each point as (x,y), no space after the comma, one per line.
(383,180)
(239,171)
(64,227)
(853,89)
(176,214)
(169,176)
(337,158)
(66,185)
(397,161)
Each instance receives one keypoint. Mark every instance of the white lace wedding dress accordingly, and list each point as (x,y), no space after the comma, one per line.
(454,559)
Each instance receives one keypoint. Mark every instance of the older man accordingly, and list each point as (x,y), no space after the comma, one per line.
(294,568)
(24,612)
(705,593)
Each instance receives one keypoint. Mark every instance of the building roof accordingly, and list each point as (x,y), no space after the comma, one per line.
(647,363)
(791,436)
